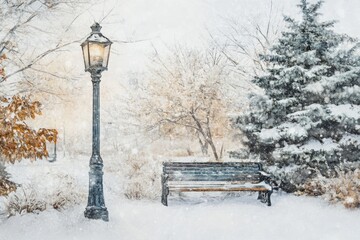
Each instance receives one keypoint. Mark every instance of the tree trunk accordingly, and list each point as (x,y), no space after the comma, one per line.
(206,134)
(204,146)
(213,148)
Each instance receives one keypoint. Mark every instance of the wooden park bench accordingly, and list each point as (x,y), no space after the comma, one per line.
(215,177)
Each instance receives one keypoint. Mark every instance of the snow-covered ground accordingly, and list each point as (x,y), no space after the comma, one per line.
(188,217)
(244,218)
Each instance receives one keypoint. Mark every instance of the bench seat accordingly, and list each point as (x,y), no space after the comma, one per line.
(215,177)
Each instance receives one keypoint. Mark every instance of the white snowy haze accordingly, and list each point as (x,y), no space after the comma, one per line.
(144,35)
(138,28)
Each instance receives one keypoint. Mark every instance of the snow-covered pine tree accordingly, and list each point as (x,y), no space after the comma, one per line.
(308,121)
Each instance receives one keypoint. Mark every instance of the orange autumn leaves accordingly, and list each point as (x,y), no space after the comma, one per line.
(17,139)
(2,70)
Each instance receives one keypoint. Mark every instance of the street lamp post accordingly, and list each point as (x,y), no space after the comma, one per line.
(96,51)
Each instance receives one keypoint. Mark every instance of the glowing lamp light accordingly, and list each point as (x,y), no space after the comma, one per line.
(96,50)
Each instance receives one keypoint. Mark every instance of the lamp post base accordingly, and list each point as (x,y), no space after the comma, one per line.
(97,213)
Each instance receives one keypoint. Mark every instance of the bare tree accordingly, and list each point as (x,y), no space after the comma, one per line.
(22,38)
(243,42)
(184,95)
(25,41)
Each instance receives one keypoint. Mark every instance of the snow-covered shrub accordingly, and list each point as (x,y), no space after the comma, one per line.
(142,176)
(24,200)
(316,187)
(66,193)
(345,189)
(59,192)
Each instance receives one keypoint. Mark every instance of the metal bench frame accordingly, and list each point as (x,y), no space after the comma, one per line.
(215,177)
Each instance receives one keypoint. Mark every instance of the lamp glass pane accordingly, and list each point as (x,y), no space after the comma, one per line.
(85,48)
(106,55)
(96,54)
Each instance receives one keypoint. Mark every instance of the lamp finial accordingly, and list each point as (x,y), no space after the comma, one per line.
(96,27)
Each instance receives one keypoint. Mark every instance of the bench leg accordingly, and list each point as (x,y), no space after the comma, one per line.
(268,198)
(165,191)
(164,196)
(264,197)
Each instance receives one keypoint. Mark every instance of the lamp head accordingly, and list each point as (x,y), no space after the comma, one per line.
(96,50)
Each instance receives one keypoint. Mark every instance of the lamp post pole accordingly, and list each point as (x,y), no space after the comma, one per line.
(96,50)
(96,204)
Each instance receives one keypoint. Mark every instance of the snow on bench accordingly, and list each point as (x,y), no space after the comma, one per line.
(215,177)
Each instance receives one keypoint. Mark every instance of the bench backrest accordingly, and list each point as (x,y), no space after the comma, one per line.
(210,171)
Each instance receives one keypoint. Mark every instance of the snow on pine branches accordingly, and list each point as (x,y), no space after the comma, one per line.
(309,118)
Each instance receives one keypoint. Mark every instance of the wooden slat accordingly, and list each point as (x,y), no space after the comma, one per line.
(212,178)
(209,186)
(186,165)
(212,166)
(205,183)
(207,173)
(219,189)
(210,163)
(255,166)
(212,172)
(212,169)
(238,169)
(224,168)
(222,183)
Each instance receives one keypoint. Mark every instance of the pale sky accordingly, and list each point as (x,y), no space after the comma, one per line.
(160,22)
(166,22)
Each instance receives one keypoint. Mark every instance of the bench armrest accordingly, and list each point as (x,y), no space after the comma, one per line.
(267,178)
(264,174)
